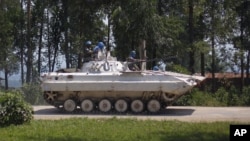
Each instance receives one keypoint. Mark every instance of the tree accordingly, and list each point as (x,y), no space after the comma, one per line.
(85,18)
(131,29)
(30,48)
(39,12)
(20,39)
(242,41)
(218,20)
(55,35)
(189,35)
(9,11)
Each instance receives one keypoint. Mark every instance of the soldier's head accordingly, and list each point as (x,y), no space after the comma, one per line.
(88,43)
(132,54)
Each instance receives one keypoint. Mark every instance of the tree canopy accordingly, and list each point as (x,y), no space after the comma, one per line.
(39,36)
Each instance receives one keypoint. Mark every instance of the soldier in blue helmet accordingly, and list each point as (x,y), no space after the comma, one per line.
(133,65)
(98,48)
(132,56)
(156,68)
(160,66)
(88,51)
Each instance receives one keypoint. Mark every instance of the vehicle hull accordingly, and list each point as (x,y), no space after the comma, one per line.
(108,84)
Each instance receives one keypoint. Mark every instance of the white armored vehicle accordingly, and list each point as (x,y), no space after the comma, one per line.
(107,84)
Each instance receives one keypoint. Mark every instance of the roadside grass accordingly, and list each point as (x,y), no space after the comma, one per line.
(84,129)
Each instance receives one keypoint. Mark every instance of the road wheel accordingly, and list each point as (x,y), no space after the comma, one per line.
(69,105)
(50,97)
(104,105)
(137,106)
(168,97)
(121,105)
(153,106)
(87,105)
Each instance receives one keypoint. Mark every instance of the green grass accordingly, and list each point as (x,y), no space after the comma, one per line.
(83,129)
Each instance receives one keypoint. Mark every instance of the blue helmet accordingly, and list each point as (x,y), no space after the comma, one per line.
(156,68)
(101,45)
(132,54)
(88,43)
(96,49)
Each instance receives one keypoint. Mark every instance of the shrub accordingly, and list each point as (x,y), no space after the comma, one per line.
(13,109)
(222,96)
(33,94)
(178,68)
(184,100)
(246,96)
(198,98)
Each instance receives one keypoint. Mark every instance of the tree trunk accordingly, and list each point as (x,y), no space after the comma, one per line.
(242,48)
(108,47)
(81,34)
(40,47)
(66,32)
(67,49)
(6,79)
(154,55)
(54,56)
(6,71)
(49,44)
(22,62)
(202,64)
(191,35)
(213,62)
(159,7)
(142,54)
(247,69)
(22,46)
(213,45)
(29,63)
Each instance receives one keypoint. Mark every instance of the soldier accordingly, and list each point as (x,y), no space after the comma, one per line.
(133,61)
(160,66)
(88,52)
(99,50)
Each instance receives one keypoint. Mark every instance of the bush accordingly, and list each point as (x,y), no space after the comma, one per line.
(222,96)
(246,96)
(13,109)
(198,98)
(33,94)
(178,68)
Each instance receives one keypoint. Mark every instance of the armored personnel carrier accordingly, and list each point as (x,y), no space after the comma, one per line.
(106,84)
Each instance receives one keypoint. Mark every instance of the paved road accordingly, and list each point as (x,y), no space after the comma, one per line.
(181,113)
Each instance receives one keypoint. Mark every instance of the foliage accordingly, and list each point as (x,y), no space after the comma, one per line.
(219,65)
(8,20)
(224,96)
(198,98)
(178,68)
(246,96)
(32,94)
(130,28)
(83,22)
(191,30)
(115,129)
(239,98)
(13,109)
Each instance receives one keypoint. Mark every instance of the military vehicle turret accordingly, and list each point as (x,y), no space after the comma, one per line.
(106,84)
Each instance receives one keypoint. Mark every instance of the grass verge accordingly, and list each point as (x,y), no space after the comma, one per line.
(83,129)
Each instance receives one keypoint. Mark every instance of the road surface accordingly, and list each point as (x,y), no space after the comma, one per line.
(180,113)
